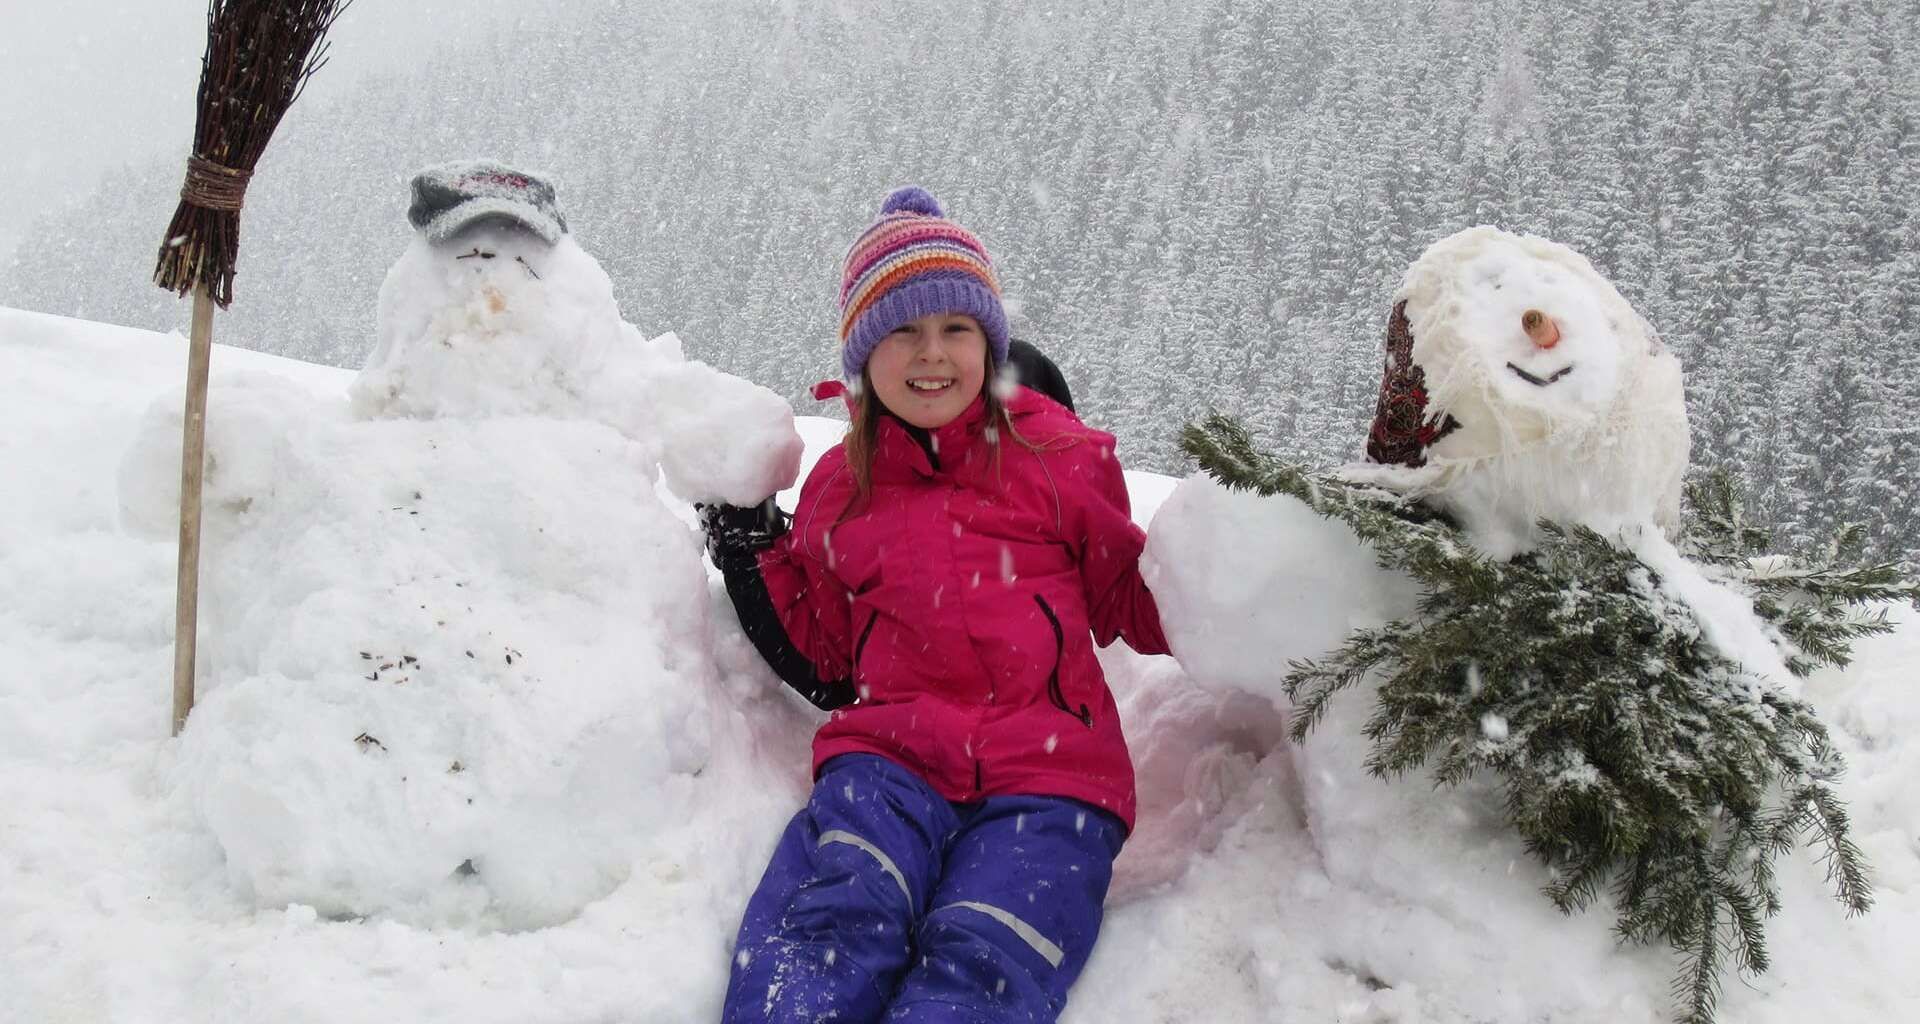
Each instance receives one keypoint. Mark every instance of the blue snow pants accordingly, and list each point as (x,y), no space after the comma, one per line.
(884,902)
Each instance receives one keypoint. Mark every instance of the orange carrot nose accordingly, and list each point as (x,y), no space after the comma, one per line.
(1540,328)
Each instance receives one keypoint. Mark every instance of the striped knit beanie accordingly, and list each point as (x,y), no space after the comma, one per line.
(913,262)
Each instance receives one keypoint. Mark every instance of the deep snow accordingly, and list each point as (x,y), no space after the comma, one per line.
(138,874)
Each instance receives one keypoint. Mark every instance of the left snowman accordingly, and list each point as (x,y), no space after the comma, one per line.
(454,653)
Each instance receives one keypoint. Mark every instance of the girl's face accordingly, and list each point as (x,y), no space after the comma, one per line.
(928,371)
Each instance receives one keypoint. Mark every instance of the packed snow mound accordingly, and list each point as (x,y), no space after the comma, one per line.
(1578,420)
(245,406)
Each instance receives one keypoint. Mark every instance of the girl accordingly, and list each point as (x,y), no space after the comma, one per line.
(949,568)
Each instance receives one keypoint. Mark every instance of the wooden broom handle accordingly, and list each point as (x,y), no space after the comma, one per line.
(193,450)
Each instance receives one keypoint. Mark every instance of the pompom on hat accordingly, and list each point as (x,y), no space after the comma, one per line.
(914,262)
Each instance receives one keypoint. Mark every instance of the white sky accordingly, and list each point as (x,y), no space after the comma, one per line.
(86,85)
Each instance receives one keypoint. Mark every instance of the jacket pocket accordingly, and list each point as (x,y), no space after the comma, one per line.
(1054,691)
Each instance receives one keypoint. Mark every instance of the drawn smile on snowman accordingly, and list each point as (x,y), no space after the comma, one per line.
(1541,382)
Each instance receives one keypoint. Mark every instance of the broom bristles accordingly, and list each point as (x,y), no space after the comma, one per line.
(260,55)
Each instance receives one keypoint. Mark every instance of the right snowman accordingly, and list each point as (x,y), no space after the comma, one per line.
(1500,616)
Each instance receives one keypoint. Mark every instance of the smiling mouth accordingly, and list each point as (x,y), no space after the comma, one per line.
(928,387)
(1541,382)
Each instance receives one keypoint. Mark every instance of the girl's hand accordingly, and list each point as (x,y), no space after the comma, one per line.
(736,535)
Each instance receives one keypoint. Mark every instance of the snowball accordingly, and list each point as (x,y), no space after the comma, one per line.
(721,438)
(1247,583)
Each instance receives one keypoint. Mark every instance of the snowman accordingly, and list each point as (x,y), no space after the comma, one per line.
(1519,386)
(457,659)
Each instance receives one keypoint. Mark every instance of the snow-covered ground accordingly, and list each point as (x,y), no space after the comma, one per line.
(630,769)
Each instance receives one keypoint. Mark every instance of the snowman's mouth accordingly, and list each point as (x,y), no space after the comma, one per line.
(479,253)
(1541,382)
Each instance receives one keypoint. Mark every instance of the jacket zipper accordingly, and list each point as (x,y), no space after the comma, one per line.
(864,633)
(1054,692)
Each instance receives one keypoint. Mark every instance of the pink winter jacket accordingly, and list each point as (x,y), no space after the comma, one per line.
(964,603)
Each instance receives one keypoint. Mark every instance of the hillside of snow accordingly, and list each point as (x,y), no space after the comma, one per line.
(479,740)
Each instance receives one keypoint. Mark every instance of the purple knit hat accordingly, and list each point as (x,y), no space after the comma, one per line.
(913,262)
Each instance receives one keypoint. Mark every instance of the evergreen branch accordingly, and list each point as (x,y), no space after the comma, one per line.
(1717,528)
(1846,865)
(1747,927)
(1818,605)
(1698,984)
(1882,581)
(1575,887)
(1225,451)
(1310,685)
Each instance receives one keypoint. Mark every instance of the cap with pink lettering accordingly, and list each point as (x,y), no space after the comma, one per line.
(450,198)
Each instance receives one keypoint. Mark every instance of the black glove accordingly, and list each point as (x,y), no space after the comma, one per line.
(737,535)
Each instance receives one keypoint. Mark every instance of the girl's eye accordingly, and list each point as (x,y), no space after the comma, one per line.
(960,328)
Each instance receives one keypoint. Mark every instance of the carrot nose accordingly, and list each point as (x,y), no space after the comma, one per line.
(1540,328)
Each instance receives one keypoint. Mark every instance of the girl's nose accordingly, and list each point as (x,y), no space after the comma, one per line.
(933,347)
(1540,328)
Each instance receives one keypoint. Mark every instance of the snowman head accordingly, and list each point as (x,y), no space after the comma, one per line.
(493,309)
(1516,370)
(1521,342)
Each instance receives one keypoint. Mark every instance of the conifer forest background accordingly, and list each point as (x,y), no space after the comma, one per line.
(1194,203)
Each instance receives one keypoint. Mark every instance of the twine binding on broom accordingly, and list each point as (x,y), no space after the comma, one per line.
(211,186)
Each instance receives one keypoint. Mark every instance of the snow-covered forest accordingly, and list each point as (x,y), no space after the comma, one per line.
(1194,204)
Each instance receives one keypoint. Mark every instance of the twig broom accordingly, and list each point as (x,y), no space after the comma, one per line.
(260,55)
